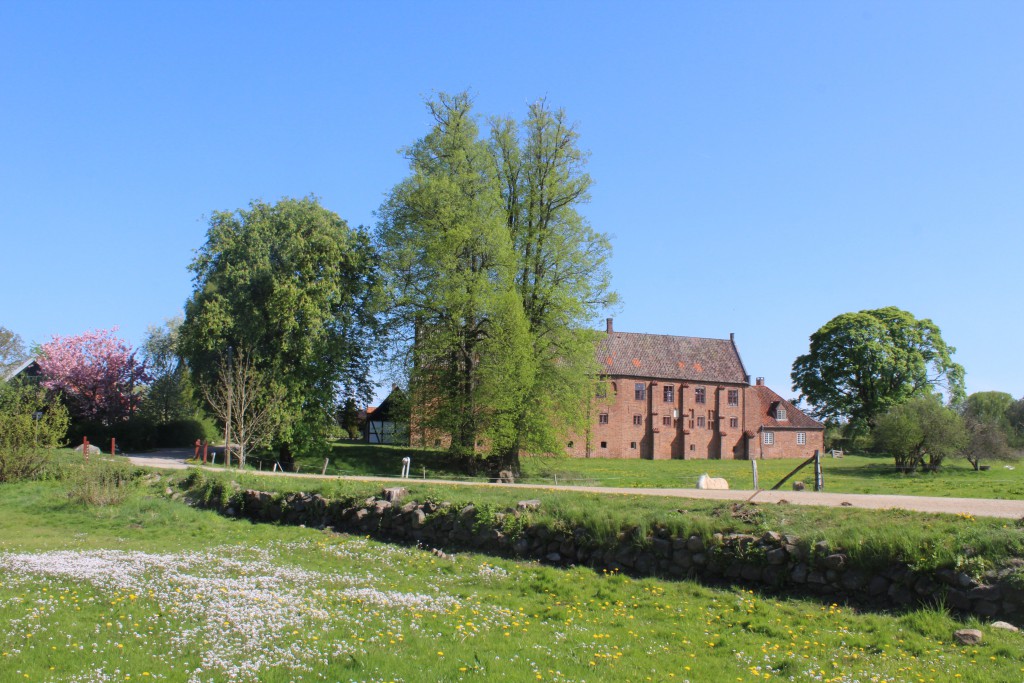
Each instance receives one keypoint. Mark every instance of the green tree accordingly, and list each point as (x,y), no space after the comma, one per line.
(350,418)
(292,285)
(561,271)
(986,439)
(1015,416)
(920,433)
(12,350)
(171,394)
(861,364)
(990,406)
(458,325)
(32,422)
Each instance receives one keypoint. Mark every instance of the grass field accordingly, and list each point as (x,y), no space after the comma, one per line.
(851,474)
(154,590)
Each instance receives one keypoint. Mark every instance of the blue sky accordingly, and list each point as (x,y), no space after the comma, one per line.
(761,167)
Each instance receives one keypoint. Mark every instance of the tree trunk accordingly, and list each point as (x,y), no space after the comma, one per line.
(285,458)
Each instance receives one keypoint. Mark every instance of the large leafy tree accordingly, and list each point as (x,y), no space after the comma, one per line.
(920,433)
(292,285)
(561,271)
(497,276)
(99,375)
(171,394)
(861,364)
(459,325)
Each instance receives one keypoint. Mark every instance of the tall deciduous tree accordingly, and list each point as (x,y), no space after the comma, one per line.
(861,364)
(98,373)
(293,285)
(449,260)
(561,273)
(12,350)
(171,394)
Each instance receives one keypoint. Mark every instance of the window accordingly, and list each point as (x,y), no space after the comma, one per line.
(699,395)
(638,419)
(602,390)
(700,421)
(667,421)
(669,393)
(780,413)
(570,444)
(734,397)
(768,438)
(734,422)
(801,438)
(632,444)
(640,391)
(602,419)
(604,444)
(693,447)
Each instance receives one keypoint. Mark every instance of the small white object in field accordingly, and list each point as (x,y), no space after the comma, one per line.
(712,483)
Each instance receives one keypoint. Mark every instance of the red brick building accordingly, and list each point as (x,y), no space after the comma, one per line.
(668,397)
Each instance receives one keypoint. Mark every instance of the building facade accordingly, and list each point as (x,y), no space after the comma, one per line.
(668,397)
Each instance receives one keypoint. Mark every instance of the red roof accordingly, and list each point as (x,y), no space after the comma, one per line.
(664,356)
(762,403)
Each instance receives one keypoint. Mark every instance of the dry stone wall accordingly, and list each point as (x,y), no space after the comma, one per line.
(771,560)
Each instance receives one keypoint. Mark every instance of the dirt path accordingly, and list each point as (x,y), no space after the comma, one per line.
(979,507)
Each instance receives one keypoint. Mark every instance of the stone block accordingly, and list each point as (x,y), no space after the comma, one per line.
(968,636)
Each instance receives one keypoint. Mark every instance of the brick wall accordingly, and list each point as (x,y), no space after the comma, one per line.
(660,429)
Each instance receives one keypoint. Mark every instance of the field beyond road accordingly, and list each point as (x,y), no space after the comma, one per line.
(868,482)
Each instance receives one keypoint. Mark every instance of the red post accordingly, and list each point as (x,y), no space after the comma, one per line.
(113,446)
(196,456)
(85,448)
(205,446)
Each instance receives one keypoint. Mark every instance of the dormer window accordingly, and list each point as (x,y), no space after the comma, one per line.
(780,413)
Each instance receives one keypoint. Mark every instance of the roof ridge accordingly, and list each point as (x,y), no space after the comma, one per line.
(674,336)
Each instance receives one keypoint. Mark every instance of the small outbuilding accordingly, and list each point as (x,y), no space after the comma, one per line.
(388,423)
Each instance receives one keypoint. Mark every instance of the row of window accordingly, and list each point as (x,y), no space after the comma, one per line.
(668,394)
(768,438)
(666,421)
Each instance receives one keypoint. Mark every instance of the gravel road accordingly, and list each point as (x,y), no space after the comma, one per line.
(979,507)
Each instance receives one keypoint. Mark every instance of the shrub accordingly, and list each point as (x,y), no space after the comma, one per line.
(31,424)
(179,433)
(102,481)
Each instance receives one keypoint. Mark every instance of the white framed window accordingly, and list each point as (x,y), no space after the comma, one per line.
(801,438)
(768,438)
(780,413)
(632,444)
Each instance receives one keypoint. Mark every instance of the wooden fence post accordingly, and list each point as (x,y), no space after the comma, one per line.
(819,479)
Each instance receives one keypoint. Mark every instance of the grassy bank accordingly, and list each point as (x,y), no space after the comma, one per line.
(871,538)
(154,590)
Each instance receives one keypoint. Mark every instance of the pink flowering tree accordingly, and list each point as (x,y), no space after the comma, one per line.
(98,374)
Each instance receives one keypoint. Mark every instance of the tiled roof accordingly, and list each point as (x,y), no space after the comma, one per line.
(664,356)
(762,401)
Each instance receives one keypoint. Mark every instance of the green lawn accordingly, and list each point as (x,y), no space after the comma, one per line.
(155,590)
(851,474)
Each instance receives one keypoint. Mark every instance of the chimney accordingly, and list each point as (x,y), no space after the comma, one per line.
(732,337)
(760,381)
(609,321)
